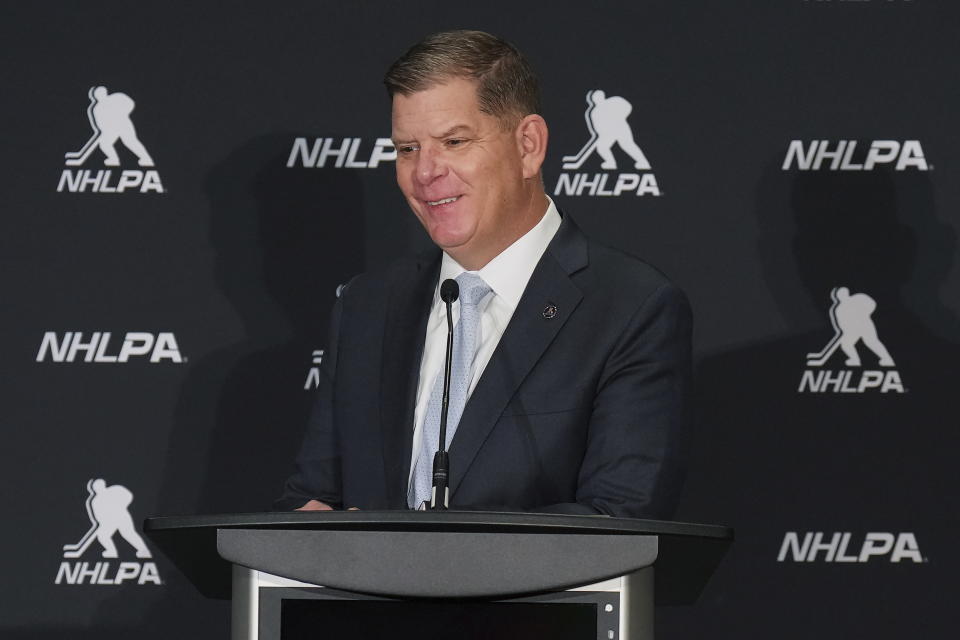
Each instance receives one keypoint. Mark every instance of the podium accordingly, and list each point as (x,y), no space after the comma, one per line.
(456,574)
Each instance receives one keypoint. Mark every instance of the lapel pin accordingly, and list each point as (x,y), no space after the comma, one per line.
(550,311)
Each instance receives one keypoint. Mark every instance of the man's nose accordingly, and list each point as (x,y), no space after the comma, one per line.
(430,165)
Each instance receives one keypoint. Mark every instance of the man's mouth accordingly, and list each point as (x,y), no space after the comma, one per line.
(437,203)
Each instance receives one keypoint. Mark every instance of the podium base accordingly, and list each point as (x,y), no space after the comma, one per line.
(269,607)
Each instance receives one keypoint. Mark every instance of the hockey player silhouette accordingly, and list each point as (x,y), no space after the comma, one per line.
(108,510)
(850,316)
(607,122)
(109,115)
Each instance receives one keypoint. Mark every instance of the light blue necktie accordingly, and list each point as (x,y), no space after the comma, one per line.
(466,339)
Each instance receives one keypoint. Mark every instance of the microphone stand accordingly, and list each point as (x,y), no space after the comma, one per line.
(440,495)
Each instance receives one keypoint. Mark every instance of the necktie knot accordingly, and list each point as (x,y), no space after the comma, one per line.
(472,288)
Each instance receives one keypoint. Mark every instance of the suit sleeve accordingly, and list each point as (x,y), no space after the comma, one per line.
(317,472)
(636,438)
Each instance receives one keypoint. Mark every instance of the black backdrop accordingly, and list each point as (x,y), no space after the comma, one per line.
(224,269)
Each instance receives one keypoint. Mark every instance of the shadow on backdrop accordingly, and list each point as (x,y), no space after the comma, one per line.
(283,239)
(768,459)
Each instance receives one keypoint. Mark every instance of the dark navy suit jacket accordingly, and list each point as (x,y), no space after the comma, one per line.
(583,412)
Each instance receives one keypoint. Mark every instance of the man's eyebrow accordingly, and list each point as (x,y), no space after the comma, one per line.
(452,131)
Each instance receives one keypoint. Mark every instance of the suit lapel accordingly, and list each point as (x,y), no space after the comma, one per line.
(410,298)
(525,339)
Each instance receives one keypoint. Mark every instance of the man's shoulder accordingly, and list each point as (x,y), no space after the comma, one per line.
(401,272)
(630,284)
(623,266)
(614,270)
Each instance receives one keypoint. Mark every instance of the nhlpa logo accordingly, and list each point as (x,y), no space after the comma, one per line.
(852,318)
(108,508)
(607,123)
(70,346)
(339,153)
(109,116)
(843,155)
(836,548)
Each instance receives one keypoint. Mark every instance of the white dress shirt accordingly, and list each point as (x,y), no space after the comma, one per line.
(507,275)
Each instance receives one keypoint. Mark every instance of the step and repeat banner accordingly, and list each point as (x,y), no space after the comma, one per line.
(185,188)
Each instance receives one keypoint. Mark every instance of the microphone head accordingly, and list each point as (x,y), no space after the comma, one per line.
(449,291)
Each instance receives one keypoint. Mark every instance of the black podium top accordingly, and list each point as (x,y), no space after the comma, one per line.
(441,554)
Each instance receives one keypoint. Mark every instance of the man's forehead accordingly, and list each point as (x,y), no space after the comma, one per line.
(439,109)
(440,128)
(450,81)
(455,91)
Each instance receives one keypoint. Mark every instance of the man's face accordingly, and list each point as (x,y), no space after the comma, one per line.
(459,170)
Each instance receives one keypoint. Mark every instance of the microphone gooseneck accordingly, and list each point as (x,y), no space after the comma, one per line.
(440,495)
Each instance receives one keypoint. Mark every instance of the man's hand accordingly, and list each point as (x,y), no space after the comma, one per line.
(315,505)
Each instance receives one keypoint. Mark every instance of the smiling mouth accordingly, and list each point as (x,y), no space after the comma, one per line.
(437,203)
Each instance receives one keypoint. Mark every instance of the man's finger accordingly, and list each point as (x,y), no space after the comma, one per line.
(315,505)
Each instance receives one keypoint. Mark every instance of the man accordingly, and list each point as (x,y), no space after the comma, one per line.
(574,358)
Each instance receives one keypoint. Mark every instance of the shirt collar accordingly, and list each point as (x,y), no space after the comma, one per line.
(508,273)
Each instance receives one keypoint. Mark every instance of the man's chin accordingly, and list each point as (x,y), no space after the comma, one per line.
(452,248)
(449,239)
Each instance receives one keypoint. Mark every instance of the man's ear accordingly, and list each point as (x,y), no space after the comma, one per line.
(532,137)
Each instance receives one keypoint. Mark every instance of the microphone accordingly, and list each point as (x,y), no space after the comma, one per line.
(449,292)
